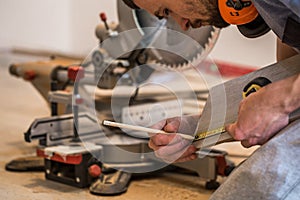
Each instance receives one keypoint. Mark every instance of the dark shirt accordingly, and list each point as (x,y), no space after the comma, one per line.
(283,17)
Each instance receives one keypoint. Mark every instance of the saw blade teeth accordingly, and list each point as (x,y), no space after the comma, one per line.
(197,60)
(209,40)
(165,66)
(212,32)
(195,57)
(206,46)
(188,65)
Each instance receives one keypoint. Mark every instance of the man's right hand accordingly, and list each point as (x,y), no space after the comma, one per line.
(173,148)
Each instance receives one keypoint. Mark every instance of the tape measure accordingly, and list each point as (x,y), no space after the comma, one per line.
(255,85)
(206,134)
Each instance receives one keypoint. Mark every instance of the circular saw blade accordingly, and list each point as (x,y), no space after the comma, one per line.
(205,36)
(192,54)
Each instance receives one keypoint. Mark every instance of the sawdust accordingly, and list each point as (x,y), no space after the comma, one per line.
(169,186)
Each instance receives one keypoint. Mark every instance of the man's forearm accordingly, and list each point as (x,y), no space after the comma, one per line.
(293,100)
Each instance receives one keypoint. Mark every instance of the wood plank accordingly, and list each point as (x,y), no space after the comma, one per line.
(223,101)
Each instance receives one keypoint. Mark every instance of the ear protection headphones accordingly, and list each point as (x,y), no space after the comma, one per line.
(243,14)
(237,12)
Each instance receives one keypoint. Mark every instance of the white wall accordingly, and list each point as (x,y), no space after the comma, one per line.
(234,47)
(35,24)
(56,25)
(68,26)
(85,18)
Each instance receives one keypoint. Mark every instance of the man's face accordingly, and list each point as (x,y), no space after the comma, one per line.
(187,13)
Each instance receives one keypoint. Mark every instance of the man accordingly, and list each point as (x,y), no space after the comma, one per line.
(272,171)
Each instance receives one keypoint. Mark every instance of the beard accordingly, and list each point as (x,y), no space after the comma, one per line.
(215,18)
(217,22)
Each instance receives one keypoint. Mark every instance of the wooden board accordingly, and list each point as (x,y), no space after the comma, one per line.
(223,101)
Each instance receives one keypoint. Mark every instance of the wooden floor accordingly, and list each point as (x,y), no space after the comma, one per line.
(20,104)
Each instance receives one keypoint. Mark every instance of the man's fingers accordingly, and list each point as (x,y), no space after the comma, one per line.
(251,142)
(160,125)
(176,150)
(172,151)
(172,125)
(245,143)
(235,131)
(187,158)
(237,134)
(168,154)
(163,139)
(230,128)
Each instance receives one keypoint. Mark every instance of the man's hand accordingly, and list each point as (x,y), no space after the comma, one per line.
(261,115)
(173,148)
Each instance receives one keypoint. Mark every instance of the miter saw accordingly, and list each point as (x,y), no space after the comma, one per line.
(130,78)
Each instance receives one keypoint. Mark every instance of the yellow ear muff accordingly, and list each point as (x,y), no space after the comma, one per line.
(237,12)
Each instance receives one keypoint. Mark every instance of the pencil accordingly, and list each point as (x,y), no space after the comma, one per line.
(141,128)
